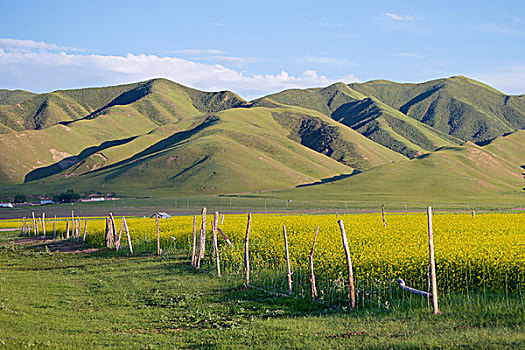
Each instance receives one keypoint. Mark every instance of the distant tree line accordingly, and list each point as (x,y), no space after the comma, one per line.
(66,197)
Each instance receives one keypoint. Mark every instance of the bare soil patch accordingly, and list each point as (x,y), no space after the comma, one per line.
(54,245)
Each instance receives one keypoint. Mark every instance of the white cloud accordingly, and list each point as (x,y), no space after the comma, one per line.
(510,80)
(322,60)
(409,55)
(198,52)
(27,45)
(230,60)
(325,24)
(398,17)
(49,70)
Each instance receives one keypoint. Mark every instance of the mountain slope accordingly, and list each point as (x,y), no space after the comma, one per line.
(452,174)
(458,106)
(161,100)
(369,116)
(229,151)
(11,97)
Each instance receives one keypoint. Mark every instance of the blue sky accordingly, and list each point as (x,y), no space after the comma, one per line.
(255,48)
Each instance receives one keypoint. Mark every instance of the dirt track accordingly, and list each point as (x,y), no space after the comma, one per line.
(55,245)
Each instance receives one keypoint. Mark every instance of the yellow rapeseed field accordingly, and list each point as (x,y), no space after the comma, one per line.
(481,253)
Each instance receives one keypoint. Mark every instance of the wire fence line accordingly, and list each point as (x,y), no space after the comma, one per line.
(476,280)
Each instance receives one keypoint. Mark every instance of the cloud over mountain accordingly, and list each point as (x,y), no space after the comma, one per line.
(41,66)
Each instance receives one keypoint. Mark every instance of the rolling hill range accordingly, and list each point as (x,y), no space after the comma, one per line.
(463,173)
(160,136)
(458,106)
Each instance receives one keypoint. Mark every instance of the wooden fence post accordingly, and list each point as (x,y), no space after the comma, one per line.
(288,269)
(44,224)
(247,251)
(432,262)
(215,245)
(158,234)
(67,231)
(222,219)
(202,242)
(77,229)
(383,215)
(214,225)
(129,237)
(117,243)
(34,224)
(54,227)
(109,233)
(473,213)
(85,231)
(351,288)
(113,227)
(193,260)
(24,225)
(312,275)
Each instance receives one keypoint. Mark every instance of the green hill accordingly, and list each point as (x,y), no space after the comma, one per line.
(129,134)
(161,137)
(451,174)
(11,97)
(457,106)
(369,116)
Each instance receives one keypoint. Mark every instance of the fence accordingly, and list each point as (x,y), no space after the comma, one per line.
(479,258)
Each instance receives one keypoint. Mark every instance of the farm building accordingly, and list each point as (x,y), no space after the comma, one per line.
(6,205)
(161,215)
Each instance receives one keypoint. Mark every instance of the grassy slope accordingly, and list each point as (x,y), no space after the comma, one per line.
(9,97)
(369,116)
(451,174)
(458,106)
(78,301)
(155,135)
(235,150)
(159,99)
(114,113)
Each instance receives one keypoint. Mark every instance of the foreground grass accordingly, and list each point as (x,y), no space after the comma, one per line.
(99,300)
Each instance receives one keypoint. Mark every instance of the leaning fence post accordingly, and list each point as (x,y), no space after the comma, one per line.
(246,250)
(312,275)
(85,231)
(202,243)
(432,262)
(215,246)
(127,234)
(113,227)
(288,269)
(351,288)
(383,215)
(117,242)
(193,262)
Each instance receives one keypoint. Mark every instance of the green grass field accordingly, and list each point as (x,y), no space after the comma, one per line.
(55,300)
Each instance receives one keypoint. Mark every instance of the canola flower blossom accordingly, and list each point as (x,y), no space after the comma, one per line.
(482,253)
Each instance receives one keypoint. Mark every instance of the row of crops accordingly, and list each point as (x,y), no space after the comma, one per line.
(483,255)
